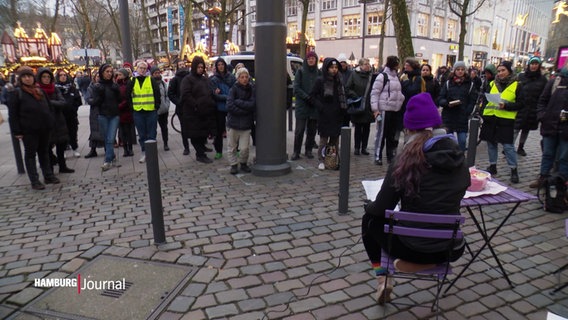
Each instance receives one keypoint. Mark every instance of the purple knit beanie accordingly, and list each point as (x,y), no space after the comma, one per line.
(421,113)
(311,54)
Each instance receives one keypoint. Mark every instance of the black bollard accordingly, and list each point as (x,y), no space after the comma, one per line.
(344,156)
(472,141)
(155,191)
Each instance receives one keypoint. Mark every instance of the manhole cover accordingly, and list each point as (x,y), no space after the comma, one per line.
(112,289)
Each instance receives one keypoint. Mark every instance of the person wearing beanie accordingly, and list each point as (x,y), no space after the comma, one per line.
(222,81)
(345,70)
(73,101)
(164,108)
(32,121)
(499,118)
(60,134)
(457,98)
(305,112)
(330,101)
(430,174)
(553,126)
(533,84)
(126,119)
(144,98)
(359,85)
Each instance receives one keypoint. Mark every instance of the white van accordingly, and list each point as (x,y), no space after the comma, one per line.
(292,63)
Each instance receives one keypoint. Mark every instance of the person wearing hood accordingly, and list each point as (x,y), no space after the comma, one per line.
(59,135)
(221,82)
(126,119)
(432,85)
(144,98)
(429,175)
(533,85)
(552,114)
(305,113)
(457,98)
(175,96)
(32,121)
(328,96)
(105,98)
(73,98)
(359,85)
(499,119)
(490,71)
(164,109)
(199,108)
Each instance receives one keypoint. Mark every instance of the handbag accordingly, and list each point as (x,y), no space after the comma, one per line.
(356,106)
(330,157)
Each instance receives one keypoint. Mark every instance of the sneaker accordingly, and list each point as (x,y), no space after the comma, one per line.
(245,168)
(166,147)
(142,159)
(106,166)
(235,169)
(521,152)
(66,170)
(364,152)
(218,156)
(185,152)
(203,159)
(52,180)
(321,166)
(91,155)
(295,156)
(76,154)
(379,162)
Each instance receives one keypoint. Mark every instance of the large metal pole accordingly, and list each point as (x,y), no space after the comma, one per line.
(125,31)
(18,155)
(345,164)
(270,31)
(155,191)
(472,141)
(364,27)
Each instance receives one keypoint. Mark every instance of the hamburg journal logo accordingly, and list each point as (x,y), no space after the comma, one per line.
(81,284)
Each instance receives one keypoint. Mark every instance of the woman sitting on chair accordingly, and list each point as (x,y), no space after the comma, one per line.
(430,175)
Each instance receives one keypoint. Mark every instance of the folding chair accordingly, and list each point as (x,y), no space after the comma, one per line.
(439,227)
(564,267)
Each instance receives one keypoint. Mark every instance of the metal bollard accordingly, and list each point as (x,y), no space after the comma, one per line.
(155,191)
(472,141)
(18,155)
(345,152)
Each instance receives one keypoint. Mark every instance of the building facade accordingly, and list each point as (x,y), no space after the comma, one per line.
(499,30)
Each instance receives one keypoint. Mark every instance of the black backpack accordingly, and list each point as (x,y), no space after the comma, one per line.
(554,190)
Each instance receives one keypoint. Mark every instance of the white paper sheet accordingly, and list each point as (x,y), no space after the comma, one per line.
(491,188)
(372,188)
(552,316)
(494,97)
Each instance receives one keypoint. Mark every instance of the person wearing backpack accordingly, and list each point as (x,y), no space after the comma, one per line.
(457,99)
(386,101)
(551,110)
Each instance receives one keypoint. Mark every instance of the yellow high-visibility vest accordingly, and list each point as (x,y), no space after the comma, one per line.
(492,109)
(143,97)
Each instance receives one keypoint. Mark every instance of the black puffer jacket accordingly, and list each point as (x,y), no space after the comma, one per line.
(199,108)
(241,106)
(441,189)
(356,87)
(549,107)
(456,117)
(59,133)
(330,113)
(105,96)
(174,86)
(71,96)
(27,115)
(533,85)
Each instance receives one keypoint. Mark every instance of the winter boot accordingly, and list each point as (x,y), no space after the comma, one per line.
(492,169)
(514,176)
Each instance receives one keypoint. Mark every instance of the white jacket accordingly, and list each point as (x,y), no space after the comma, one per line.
(388,97)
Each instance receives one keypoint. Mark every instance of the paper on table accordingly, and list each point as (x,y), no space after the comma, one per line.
(372,188)
(492,188)
(494,97)
(552,316)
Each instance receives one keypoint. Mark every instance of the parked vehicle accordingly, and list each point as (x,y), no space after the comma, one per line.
(292,63)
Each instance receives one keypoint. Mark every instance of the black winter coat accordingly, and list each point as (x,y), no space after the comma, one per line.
(199,108)
(241,106)
(59,134)
(356,87)
(106,97)
(441,189)
(456,117)
(533,86)
(27,115)
(330,113)
(549,107)
(72,98)
(174,86)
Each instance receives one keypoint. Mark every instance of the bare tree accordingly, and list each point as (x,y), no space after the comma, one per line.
(187,28)
(8,14)
(382,37)
(147,27)
(460,8)
(402,29)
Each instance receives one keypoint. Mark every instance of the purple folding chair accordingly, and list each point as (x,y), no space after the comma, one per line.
(557,272)
(422,225)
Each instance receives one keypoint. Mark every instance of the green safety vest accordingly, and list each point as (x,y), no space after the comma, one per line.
(508,94)
(143,97)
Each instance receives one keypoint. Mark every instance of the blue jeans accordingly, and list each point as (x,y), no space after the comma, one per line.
(510,153)
(553,148)
(146,123)
(109,127)
(462,139)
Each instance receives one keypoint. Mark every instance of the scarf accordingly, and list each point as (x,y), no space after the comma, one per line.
(458,80)
(64,87)
(49,89)
(33,90)
(505,82)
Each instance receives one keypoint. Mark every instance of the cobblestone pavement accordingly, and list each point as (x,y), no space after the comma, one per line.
(270,248)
